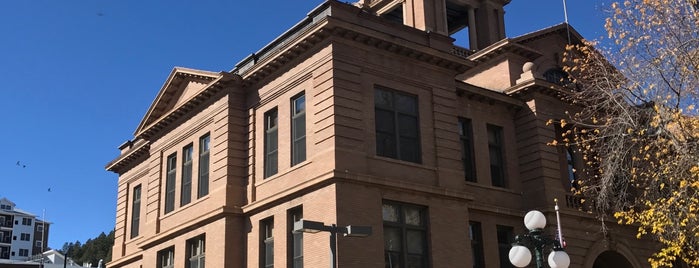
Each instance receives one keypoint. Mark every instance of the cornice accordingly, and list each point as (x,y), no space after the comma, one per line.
(523,89)
(483,95)
(338,20)
(502,47)
(137,150)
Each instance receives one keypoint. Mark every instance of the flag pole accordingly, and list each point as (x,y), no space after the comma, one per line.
(558,224)
(565,18)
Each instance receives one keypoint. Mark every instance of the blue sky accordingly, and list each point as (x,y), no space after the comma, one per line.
(76,78)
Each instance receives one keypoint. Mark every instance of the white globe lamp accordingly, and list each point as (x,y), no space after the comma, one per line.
(559,259)
(534,220)
(520,256)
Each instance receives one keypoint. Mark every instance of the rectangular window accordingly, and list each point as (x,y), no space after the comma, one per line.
(24,237)
(397,125)
(563,137)
(39,226)
(298,129)
(135,211)
(186,186)
(405,235)
(476,235)
(466,135)
(204,165)
(196,248)
(170,183)
(271,144)
(266,243)
(23,252)
(295,240)
(166,258)
(38,243)
(505,238)
(26,221)
(495,149)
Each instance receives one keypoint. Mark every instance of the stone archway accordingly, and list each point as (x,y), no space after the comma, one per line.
(611,259)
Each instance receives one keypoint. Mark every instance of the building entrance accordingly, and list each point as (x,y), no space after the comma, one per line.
(611,259)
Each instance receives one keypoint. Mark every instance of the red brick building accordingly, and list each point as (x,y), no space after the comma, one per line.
(361,114)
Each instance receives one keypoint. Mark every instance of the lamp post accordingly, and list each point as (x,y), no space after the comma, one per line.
(520,255)
(307,226)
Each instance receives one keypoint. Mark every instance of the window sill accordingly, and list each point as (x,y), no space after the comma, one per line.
(263,181)
(490,187)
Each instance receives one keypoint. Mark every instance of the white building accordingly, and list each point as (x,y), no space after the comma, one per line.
(19,236)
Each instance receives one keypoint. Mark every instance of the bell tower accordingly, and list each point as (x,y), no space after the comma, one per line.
(483,19)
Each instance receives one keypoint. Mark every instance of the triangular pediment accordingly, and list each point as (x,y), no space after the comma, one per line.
(562,30)
(180,86)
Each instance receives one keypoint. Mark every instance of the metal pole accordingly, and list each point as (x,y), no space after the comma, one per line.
(65,258)
(333,246)
(538,249)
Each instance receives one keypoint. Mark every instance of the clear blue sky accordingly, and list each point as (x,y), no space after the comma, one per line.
(76,78)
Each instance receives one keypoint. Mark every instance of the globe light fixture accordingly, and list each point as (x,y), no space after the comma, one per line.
(520,254)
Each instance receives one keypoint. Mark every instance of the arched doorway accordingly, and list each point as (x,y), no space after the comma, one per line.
(611,259)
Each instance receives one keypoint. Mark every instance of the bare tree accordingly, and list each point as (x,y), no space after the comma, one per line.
(636,122)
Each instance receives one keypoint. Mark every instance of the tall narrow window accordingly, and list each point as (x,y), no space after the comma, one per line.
(196,248)
(405,235)
(397,125)
(567,164)
(570,159)
(476,235)
(495,149)
(135,211)
(466,135)
(295,240)
(204,165)
(186,187)
(271,144)
(170,183)
(166,258)
(266,243)
(505,238)
(298,129)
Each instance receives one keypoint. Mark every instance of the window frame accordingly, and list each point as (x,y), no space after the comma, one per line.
(467,153)
(475,232)
(298,143)
(267,243)
(498,174)
(170,181)
(166,258)
(504,246)
(271,133)
(186,174)
(204,165)
(404,229)
(196,252)
(394,142)
(135,210)
(294,239)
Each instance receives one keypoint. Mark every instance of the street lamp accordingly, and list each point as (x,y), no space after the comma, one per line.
(307,226)
(520,255)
